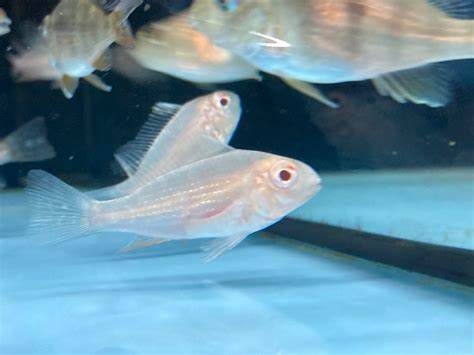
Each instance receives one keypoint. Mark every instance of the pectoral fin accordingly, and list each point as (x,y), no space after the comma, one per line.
(309,90)
(69,85)
(429,85)
(94,80)
(141,243)
(220,245)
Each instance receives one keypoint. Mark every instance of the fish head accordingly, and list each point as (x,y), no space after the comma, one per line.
(222,114)
(279,185)
(230,23)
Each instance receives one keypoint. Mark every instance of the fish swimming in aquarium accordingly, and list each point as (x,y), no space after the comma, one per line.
(77,35)
(226,197)
(175,136)
(394,43)
(5,22)
(28,143)
(172,46)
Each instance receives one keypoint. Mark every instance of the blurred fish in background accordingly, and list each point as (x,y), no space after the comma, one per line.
(175,136)
(76,36)
(172,46)
(28,143)
(5,22)
(394,43)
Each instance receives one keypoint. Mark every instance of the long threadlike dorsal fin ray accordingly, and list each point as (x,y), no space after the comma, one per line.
(131,154)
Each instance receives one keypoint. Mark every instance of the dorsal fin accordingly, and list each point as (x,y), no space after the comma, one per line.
(131,154)
(460,9)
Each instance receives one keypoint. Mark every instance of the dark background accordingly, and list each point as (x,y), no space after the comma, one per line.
(368,132)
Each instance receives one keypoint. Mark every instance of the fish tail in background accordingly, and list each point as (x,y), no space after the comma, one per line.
(122,11)
(59,212)
(29,142)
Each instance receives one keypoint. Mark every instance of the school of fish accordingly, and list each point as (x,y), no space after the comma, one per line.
(184,180)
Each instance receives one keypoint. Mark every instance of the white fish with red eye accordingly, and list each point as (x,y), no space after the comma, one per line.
(226,197)
(174,136)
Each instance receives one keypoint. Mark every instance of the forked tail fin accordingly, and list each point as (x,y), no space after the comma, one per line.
(29,142)
(59,212)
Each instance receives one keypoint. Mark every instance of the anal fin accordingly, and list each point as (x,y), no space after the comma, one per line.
(94,80)
(428,85)
(309,90)
(142,243)
(219,246)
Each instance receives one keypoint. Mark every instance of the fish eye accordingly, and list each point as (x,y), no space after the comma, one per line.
(284,174)
(224,101)
(228,5)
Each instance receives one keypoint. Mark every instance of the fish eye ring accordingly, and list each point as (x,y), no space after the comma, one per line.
(228,5)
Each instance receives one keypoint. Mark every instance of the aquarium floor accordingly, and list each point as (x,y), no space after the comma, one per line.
(432,206)
(268,296)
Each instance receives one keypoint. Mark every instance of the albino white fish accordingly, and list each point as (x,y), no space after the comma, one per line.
(391,42)
(172,46)
(28,143)
(226,197)
(173,137)
(5,22)
(77,35)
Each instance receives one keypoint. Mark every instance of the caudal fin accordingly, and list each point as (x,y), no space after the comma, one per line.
(122,11)
(59,212)
(29,142)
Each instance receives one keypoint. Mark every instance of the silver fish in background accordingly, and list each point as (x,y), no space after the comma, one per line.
(77,35)
(226,197)
(172,46)
(391,42)
(28,143)
(5,23)
(175,136)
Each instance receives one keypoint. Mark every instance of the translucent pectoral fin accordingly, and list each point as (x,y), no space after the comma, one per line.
(94,80)
(309,90)
(428,85)
(69,86)
(103,62)
(220,245)
(142,243)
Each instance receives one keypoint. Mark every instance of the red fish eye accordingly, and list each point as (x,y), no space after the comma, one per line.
(224,101)
(285,175)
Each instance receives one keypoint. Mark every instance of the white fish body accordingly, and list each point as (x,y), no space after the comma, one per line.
(228,196)
(172,46)
(5,22)
(331,41)
(185,134)
(77,35)
(28,143)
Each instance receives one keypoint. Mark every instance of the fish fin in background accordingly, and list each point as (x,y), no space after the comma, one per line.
(122,11)
(60,212)
(430,85)
(309,90)
(30,143)
(104,61)
(69,86)
(459,9)
(142,243)
(131,154)
(219,246)
(94,80)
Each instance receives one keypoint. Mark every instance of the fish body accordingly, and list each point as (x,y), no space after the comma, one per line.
(77,35)
(5,22)
(172,46)
(228,197)
(28,143)
(331,41)
(196,130)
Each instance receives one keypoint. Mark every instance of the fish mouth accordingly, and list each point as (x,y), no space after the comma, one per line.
(5,26)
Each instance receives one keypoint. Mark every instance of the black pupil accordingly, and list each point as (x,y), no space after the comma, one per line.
(285,175)
(224,101)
